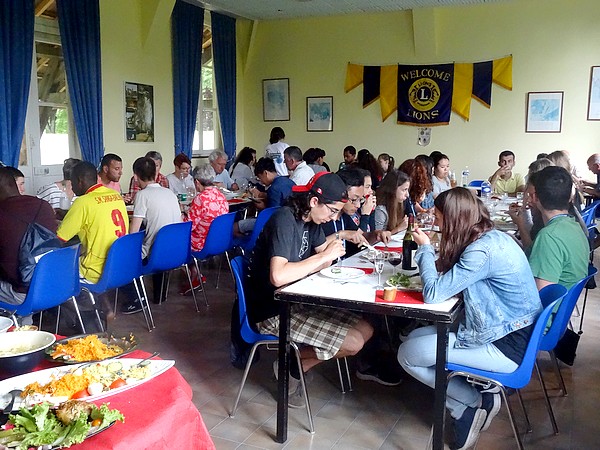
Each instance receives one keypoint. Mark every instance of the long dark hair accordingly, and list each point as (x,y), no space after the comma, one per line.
(299,202)
(420,180)
(465,220)
(245,156)
(366,160)
(277,134)
(386,196)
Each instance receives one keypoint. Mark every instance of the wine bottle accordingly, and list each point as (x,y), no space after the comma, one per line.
(409,246)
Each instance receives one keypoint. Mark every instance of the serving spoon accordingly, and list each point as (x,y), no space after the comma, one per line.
(8,408)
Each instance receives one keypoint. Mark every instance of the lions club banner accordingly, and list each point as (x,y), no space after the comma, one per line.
(425,94)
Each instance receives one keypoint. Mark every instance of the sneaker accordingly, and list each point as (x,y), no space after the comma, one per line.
(466,429)
(131,308)
(296,398)
(379,375)
(491,403)
(186,289)
(308,376)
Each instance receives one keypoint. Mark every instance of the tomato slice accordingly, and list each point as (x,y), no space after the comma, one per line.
(81,394)
(118,383)
(96,422)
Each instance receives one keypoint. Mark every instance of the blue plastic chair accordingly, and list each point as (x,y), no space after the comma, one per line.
(589,213)
(218,240)
(557,330)
(48,290)
(551,296)
(476,183)
(123,266)
(170,250)
(239,267)
(246,244)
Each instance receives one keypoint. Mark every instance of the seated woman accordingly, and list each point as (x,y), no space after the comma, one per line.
(501,305)
(242,170)
(291,246)
(391,195)
(180,181)
(420,186)
(386,163)
(441,172)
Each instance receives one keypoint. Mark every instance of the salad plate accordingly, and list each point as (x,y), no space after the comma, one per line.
(342,273)
(405,283)
(156,367)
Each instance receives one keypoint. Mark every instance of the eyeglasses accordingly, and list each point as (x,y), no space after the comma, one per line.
(357,201)
(333,212)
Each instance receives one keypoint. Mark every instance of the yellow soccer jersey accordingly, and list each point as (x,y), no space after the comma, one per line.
(99,217)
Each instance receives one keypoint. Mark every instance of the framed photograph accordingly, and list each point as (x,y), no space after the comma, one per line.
(544,112)
(594,98)
(276,99)
(319,113)
(139,112)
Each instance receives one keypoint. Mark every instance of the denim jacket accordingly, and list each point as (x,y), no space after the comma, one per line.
(498,288)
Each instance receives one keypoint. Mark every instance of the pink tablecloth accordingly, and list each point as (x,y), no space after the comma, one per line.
(159,414)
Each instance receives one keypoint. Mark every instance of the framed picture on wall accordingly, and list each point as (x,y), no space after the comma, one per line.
(544,112)
(594,97)
(319,113)
(276,99)
(139,112)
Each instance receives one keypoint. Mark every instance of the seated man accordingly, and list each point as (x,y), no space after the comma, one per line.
(98,217)
(349,156)
(111,169)
(18,211)
(156,206)
(300,172)
(134,186)
(592,187)
(560,251)
(218,161)
(504,180)
(292,246)
(60,194)
(19,178)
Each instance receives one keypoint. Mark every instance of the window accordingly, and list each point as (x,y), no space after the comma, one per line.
(207,136)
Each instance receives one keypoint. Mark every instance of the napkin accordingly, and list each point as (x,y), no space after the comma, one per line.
(236,200)
(366,270)
(406,297)
(389,248)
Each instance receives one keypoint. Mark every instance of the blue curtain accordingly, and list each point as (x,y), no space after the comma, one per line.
(223,35)
(187,26)
(16,52)
(80,36)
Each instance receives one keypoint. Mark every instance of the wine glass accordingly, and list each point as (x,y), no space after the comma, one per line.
(379,262)
(394,258)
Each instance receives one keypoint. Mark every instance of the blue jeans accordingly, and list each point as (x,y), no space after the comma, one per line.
(417,357)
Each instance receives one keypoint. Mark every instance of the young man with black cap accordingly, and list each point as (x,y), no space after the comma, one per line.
(291,246)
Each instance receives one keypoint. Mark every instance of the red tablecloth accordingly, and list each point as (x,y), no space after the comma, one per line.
(159,414)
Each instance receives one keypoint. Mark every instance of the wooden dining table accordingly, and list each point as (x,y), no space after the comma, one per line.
(359,294)
(159,414)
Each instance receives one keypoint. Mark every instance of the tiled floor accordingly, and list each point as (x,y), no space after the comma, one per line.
(369,417)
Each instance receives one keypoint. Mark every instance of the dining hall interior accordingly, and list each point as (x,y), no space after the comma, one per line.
(310,43)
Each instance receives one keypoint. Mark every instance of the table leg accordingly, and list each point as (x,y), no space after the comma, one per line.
(284,364)
(441,381)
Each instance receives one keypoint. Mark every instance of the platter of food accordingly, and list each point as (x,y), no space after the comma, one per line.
(47,427)
(405,282)
(342,273)
(85,381)
(90,348)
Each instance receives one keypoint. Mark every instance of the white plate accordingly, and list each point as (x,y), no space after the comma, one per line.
(415,285)
(342,273)
(44,376)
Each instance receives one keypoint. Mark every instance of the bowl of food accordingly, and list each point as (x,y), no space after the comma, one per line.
(5,324)
(21,351)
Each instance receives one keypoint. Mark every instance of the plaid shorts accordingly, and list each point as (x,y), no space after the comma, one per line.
(322,328)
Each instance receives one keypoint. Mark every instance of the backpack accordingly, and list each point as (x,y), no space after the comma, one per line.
(37,241)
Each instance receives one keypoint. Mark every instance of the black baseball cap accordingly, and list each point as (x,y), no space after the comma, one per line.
(327,185)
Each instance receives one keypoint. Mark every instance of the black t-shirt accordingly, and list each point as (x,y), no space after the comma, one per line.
(514,344)
(344,223)
(283,235)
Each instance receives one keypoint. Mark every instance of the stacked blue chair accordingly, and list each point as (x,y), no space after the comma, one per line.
(123,266)
(55,280)
(246,244)
(170,250)
(551,296)
(219,240)
(476,183)
(589,214)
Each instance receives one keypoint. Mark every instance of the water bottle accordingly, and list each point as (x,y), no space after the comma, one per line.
(486,189)
(464,181)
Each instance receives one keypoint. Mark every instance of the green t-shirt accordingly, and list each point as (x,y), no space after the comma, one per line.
(560,252)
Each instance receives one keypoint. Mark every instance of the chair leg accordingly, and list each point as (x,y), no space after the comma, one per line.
(93,301)
(348,374)
(144,302)
(546,399)
(218,272)
(559,376)
(511,416)
(520,397)
(246,371)
(79,315)
(342,386)
(57,320)
(189,276)
(116,298)
(311,425)
(201,284)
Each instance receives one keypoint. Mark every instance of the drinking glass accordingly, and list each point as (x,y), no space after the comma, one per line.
(394,258)
(379,262)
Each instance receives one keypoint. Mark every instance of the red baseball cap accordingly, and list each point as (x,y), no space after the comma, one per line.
(327,185)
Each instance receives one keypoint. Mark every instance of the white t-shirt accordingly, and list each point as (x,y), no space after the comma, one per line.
(275,152)
(159,206)
(440,186)
(178,186)
(302,174)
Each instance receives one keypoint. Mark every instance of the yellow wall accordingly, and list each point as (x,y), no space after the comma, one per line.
(554,43)
(136,47)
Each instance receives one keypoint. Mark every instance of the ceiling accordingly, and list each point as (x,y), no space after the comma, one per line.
(288,9)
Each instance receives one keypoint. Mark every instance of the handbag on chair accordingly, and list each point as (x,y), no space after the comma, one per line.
(566,348)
